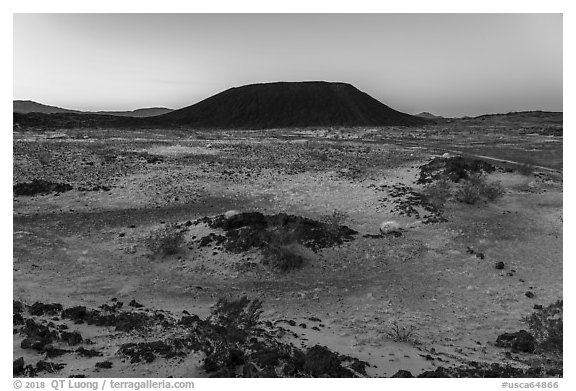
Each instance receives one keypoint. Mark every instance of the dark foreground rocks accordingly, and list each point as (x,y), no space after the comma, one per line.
(232,340)
(403,374)
(121,321)
(18,366)
(475,369)
(521,341)
(319,360)
(38,186)
(20,369)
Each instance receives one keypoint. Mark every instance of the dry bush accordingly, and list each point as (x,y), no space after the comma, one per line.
(526,169)
(469,193)
(241,314)
(282,257)
(399,333)
(337,217)
(165,240)
(492,191)
(334,220)
(476,188)
(438,193)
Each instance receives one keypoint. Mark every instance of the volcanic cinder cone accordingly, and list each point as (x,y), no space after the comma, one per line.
(289,104)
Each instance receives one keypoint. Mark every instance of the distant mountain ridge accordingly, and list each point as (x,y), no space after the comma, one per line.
(428,115)
(28,106)
(260,106)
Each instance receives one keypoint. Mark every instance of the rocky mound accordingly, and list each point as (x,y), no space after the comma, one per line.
(254,229)
(285,104)
(278,236)
(452,168)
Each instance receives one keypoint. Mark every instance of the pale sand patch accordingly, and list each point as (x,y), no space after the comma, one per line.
(180,150)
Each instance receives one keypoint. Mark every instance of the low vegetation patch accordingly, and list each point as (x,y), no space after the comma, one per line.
(544,341)
(438,193)
(477,188)
(526,168)
(234,343)
(546,324)
(165,241)
(283,258)
(401,333)
(280,237)
(334,220)
(241,314)
(453,168)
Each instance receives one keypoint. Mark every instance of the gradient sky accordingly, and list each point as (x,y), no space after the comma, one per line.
(447,64)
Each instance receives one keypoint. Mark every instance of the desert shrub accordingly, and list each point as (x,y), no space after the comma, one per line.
(241,314)
(492,191)
(438,193)
(282,257)
(337,217)
(334,220)
(526,169)
(165,241)
(400,333)
(546,324)
(468,192)
(45,158)
(476,188)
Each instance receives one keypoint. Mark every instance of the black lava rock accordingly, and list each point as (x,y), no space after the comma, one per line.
(135,304)
(88,352)
(38,309)
(18,366)
(521,341)
(17,306)
(48,366)
(40,187)
(17,320)
(104,364)
(403,374)
(320,362)
(73,338)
